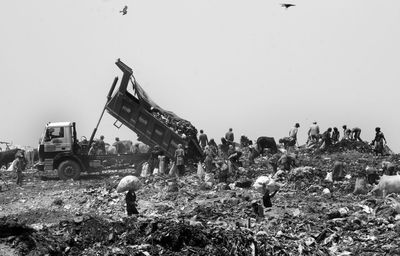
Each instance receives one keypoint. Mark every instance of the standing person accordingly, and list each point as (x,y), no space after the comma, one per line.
(208,161)
(203,139)
(130,200)
(19,166)
(119,146)
(267,198)
(101,145)
(346,133)
(378,141)
(179,160)
(326,138)
(154,161)
(229,136)
(355,134)
(293,132)
(313,132)
(335,135)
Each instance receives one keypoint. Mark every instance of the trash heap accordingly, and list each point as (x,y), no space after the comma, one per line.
(203,216)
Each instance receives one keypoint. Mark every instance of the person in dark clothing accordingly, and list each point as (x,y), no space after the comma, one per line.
(267,198)
(326,138)
(244,141)
(335,135)
(224,147)
(101,145)
(378,141)
(119,146)
(234,156)
(229,136)
(130,200)
(203,140)
(154,160)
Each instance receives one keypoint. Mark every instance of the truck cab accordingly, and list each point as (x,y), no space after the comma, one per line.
(58,149)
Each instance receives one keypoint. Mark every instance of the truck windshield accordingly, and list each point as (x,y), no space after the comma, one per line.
(54,132)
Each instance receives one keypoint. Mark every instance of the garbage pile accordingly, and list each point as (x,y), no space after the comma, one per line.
(347,145)
(199,214)
(180,126)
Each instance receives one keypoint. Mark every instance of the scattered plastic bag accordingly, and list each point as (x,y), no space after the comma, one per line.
(328,177)
(326,191)
(156,171)
(200,171)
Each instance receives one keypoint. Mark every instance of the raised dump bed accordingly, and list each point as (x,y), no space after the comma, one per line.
(153,125)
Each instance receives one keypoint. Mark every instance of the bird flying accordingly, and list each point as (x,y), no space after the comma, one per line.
(287,5)
(125,10)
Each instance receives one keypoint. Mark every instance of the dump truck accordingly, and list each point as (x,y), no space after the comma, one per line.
(59,147)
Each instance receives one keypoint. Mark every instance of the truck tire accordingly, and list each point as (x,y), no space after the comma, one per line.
(69,169)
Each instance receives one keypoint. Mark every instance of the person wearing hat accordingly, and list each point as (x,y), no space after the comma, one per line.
(378,141)
(19,166)
(179,160)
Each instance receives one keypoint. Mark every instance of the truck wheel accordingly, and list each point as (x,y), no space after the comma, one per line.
(69,170)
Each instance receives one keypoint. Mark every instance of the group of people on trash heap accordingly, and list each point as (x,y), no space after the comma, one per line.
(330,137)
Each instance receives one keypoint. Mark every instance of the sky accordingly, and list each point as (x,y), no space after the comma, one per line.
(248,65)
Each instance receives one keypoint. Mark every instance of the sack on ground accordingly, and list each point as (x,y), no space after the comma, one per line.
(128,183)
(156,171)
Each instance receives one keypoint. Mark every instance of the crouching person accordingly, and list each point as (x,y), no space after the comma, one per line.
(130,200)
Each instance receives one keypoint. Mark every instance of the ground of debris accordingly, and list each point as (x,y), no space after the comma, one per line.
(47,216)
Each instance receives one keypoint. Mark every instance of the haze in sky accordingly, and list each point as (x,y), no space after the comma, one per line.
(250,65)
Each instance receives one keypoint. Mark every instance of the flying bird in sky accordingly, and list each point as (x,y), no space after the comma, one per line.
(287,5)
(125,10)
